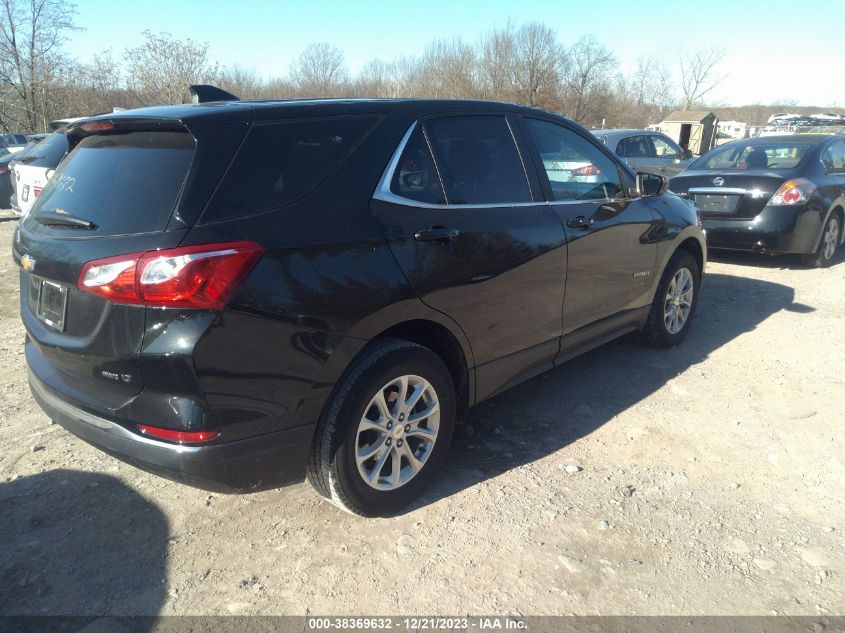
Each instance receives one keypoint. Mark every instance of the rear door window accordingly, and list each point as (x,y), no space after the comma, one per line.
(478,160)
(634,147)
(123,183)
(833,158)
(576,168)
(281,162)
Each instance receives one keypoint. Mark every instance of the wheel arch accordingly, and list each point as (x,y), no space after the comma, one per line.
(693,246)
(839,211)
(443,342)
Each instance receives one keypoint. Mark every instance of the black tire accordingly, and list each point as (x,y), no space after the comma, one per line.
(823,257)
(332,468)
(656,331)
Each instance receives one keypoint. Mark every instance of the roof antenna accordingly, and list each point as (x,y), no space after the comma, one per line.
(203,93)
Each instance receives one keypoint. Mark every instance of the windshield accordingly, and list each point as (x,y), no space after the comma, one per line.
(758,156)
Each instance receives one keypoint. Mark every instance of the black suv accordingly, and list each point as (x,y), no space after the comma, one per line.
(239,294)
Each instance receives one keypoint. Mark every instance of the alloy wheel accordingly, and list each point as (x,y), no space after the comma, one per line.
(397,432)
(678,302)
(830,238)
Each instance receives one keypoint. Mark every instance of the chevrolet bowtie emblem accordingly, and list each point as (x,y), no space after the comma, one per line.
(28,263)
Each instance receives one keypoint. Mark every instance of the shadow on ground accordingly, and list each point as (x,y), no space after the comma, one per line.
(603,383)
(782,262)
(82,544)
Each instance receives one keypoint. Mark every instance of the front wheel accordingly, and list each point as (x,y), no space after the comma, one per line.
(674,304)
(828,245)
(386,430)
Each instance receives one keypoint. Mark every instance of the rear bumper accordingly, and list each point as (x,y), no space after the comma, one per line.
(266,461)
(774,230)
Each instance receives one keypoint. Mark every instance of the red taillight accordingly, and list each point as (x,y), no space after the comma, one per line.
(793,192)
(188,437)
(36,190)
(201,277)
(589,170)
(4,169)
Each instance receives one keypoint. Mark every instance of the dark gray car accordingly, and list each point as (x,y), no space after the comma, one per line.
(648,152)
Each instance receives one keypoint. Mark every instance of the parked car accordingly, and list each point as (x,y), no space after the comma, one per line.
(646,151)
(235,296)
(6,164)
(776,194)
(31,173)
(11,143)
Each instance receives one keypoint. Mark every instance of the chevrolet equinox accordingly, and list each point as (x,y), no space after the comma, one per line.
(240,294)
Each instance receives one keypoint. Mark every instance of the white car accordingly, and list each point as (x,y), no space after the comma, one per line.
(31,173)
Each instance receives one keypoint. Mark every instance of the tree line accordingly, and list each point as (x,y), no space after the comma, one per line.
(524,63)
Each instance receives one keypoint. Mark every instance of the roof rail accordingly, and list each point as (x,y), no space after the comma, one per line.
(203,93)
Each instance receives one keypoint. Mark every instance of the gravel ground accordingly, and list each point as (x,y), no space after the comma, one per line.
(706,479)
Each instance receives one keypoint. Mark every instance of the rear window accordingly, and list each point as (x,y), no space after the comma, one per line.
(756,156)
(281,162)
(50,151)
(123,183)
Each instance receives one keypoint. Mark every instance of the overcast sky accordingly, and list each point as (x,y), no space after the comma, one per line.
(775,50)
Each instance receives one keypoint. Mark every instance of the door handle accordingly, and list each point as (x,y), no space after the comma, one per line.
(580,222)
(436,233)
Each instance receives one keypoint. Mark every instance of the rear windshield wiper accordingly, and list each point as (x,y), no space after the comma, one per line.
(59,217)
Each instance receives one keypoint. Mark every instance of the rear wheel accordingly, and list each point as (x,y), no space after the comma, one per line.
(828,245)
(674,303)
(386,430)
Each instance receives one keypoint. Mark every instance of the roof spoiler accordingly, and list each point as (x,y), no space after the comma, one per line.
(203,93)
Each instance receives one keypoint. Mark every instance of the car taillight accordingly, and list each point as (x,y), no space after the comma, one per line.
(202,277)
(186,437)
(589,170)
(793,192)
(36,190)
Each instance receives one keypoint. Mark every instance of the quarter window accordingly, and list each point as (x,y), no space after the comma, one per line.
(577,169)
(281,162)
(478,160)
(415,176)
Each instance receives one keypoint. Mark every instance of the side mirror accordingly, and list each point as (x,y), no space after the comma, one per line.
(649,185)
(687,154)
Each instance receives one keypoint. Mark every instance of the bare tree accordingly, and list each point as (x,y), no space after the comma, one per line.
(161,69)
(320,70)
(31,36)
(497,59)
(536,66)
(699,74)
(448,69)
(241,82)
(590,68)
(648,94)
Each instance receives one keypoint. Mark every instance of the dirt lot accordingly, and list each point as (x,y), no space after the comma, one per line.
(711,481)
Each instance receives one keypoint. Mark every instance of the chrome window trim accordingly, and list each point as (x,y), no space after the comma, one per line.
(724,190)
(384,194)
